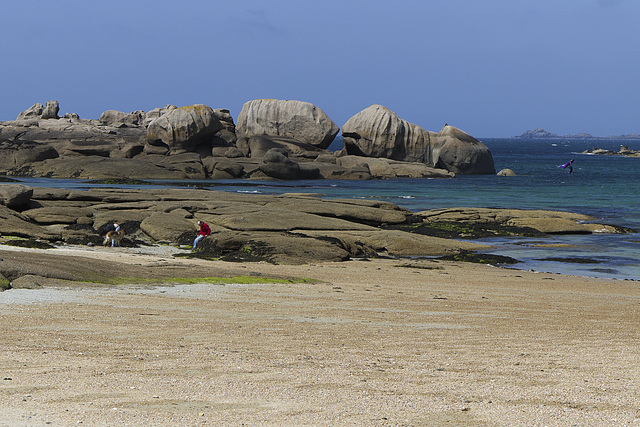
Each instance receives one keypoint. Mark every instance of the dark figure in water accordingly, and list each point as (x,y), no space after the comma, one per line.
(568,165)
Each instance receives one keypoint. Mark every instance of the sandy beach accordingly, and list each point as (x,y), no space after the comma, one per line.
(381,342)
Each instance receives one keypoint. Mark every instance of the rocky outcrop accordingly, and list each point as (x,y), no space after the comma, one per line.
(183,129)
(624,151)
(273,140)
(538,133)
(293,228)
(379,132)
(119,118)
(157,112)
(33,112)
(38,111)
(187,166)
(15,155)
(387,169)
(71,137)
(50,110)
(460,153)
(550,222)
(277,164)
(15,195)
(259,145)
(506,172)
(294,119)
(283,229)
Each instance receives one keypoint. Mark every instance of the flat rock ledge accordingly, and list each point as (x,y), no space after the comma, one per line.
(547,222)
(281,229)
(624,151)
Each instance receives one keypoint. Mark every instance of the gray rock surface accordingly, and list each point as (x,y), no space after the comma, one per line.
(386,168)
(287,228)
(15,195)
(198,142)
(294,119)
(35,111)
(378,132)
(97,167)
(182,129)
(277,164)
(70,137)
(167,227)
(18,155)
(459,152)
(290,228)
(118,118)
(259,145)
(50,110)
(554,222)
(506,172)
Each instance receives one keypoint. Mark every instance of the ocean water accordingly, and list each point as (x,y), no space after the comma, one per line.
(605,187)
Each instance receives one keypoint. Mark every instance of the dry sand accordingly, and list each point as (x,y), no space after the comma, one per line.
(371,343)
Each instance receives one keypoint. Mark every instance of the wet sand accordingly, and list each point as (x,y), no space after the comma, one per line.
(382,342)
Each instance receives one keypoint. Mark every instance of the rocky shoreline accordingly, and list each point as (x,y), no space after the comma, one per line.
(624,151)
(273,139)
(284,229)
(540,133)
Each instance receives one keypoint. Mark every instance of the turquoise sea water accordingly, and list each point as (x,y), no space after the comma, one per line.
(606,187)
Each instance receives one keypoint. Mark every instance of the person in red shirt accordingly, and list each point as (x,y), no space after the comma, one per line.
(204,232)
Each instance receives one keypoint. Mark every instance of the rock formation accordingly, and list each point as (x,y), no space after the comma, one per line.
(294,119)
(459,152)
(50,110)
(274,139)
(550,222)
(624,151)
(506,172)
(183,129)
(379,132)
(287,228)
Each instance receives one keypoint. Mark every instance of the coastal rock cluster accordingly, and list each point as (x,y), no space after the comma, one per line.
(624,151)
(540,133)
(273,139)
(547,222)
(290,228)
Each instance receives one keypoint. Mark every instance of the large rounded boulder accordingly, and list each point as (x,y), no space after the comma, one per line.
(379,132)
(118,118)
(294,119)
(15,195)
(183,129)
(459,152)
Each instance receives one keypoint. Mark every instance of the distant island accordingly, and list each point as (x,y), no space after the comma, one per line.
(543,134)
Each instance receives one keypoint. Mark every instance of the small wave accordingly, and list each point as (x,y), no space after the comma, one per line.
(407,197)
(249,191)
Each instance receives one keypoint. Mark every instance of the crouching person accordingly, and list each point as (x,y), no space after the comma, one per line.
(204,232)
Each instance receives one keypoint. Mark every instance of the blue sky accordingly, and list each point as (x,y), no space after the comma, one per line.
(492,68)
